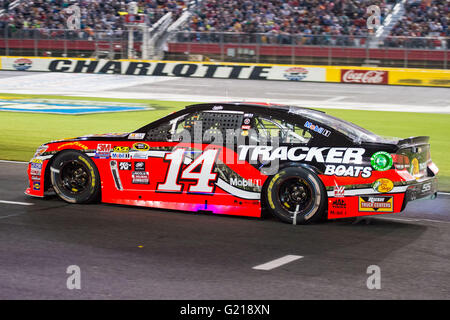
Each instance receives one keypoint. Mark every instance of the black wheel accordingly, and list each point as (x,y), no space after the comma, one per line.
(296,193)
(75,177)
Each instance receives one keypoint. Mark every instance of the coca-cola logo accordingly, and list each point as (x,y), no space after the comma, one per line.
(364,76)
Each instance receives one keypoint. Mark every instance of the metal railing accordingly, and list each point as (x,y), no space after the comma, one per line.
(431,52)
(423,52)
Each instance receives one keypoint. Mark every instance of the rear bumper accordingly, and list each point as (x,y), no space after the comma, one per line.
(424,188)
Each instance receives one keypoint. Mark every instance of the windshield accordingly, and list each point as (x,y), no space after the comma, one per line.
(347,128)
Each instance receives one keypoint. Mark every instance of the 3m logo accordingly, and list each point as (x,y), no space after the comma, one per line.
(376,204)
(103,147)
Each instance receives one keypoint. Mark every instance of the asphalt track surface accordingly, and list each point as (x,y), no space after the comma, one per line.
(141,253)
(325,95)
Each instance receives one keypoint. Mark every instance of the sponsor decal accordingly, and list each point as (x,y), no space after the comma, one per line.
(139,166)
(116,175)
(35,165)
(139,177)
(120,155)
(347,171)
(244,127)
(364,76)
(318,154)
(34,160)
(125,166)
(414,166)
(22,64)
(383,185)
(141,146)
(36,185)
(139,155)
(317,129)
(245,183)
(73,144)
(217,108)
(137,136)
(381,161)
(338,207)
(295,73)
(103,151)
(426,187)
(121,149)
(36,178)
(35,172)
(339,191)
(247,121)
(248,115)
(40,150)
(376,204)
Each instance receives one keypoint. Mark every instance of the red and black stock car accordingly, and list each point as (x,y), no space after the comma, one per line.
(300,164)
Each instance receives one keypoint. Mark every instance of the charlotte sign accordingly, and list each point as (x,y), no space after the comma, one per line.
(165,68)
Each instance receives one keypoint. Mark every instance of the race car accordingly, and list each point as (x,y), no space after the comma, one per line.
(301,165)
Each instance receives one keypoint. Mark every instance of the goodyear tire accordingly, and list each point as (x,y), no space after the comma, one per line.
(75,177)
(296,194)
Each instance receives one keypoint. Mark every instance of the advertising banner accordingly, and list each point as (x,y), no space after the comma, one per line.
(168,68)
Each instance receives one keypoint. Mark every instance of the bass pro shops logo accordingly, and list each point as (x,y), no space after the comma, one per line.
(295,73)
(22,64)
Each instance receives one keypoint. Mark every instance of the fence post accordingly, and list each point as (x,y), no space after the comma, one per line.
(7,39)
(35,44)
(293,43)
(405,61)
(222,54)
(65,43)
(445,52)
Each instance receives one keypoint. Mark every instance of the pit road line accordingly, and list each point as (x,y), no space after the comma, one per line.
(277,262)
(18,203)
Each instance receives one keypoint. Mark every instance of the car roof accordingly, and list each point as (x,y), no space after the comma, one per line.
(267,106)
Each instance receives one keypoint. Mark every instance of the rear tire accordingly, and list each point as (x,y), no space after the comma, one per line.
(75,177)
(296,192)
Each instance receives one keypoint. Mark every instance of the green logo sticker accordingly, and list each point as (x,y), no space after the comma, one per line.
(381,161)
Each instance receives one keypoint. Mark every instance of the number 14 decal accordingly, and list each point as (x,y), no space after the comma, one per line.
(203,176)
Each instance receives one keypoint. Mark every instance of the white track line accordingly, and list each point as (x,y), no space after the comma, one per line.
(9,161)
(19,203)
(277,262)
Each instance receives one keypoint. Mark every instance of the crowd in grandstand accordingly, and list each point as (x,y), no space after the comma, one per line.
(322,22)
(95,14)
(421,21)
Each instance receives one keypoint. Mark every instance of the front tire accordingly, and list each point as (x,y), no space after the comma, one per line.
(75,177)
(296,194)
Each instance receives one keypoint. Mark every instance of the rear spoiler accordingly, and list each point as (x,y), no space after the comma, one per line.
(413,141)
